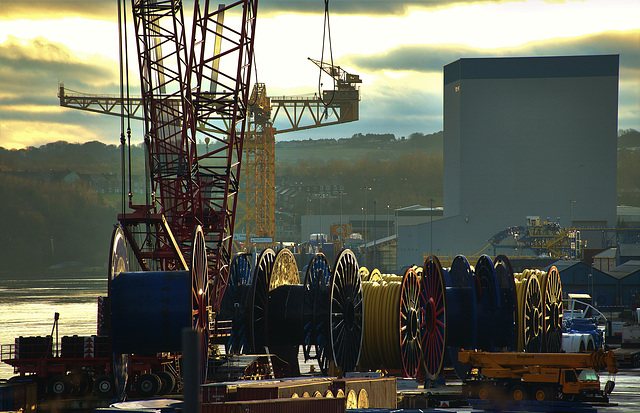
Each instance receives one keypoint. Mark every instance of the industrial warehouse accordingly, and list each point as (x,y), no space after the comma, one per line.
(521,292)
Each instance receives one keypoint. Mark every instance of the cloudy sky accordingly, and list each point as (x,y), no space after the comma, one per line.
(398,47)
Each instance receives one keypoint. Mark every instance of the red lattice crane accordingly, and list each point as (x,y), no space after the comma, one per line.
(203,81)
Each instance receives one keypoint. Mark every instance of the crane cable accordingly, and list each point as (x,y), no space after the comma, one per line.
(326,33)
(122,135)
(123,51)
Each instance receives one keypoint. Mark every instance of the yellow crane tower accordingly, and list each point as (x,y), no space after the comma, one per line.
(335,106)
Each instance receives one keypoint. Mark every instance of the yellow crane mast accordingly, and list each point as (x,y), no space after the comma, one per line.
(339,105)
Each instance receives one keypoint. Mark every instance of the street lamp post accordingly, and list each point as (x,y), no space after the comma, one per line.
(388,230)
(365,188)
(431,227)
(321,236)
(375,222)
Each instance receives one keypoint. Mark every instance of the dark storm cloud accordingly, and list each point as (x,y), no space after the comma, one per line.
(106,9)
(432,58)
(36,65)
(417,58)
(365,7)
(37,9)
(30,73)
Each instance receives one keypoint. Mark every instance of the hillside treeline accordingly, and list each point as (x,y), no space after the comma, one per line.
(46,222)
(49,223)
(413,178)
(629,168)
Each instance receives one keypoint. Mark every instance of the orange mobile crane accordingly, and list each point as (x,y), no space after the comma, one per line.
(538,376)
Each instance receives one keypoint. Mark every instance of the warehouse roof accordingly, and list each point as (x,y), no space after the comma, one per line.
(608,253)
(624,270)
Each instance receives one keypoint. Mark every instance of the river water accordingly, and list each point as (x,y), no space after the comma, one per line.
(28,305)
(29,302)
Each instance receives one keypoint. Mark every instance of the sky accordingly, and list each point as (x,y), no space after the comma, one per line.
(397,47)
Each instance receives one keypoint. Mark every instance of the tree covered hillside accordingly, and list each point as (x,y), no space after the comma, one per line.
(58,202)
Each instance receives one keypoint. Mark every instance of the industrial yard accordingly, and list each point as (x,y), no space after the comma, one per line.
(516,289)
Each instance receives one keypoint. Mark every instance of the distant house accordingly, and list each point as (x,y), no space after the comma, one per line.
(71,178)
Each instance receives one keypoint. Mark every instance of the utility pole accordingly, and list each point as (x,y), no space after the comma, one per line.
(375,223)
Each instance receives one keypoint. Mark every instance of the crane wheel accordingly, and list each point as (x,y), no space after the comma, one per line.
(103,386)
(518,393)
(543,394)
(148,385)
(60,386)
(484,392)
(168,382)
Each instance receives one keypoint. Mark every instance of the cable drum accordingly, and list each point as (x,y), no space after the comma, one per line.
(450,300)
(391,337)
(552,312)
(491,334)
(324,313)
(234,303)
(150,309)
(380,318)
(505,338)
(529,321)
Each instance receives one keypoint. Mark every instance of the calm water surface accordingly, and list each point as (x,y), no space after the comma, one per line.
(28,306)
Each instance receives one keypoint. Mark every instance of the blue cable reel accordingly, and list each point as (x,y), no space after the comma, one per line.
(150,309)
(259,301)
(489,304)
(505,320)
(235,303)
(317,288)
(449,314)
(462,312)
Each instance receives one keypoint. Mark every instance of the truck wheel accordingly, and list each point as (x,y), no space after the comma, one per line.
(168,382)
(60,386)
(543,394)
(148,385)
(518,393)
(103,386)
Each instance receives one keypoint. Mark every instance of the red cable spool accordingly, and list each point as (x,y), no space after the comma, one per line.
(410,314)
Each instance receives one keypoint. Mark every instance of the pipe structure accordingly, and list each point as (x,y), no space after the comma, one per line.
(393,316)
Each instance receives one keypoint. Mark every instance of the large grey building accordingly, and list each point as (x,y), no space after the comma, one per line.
(524,136)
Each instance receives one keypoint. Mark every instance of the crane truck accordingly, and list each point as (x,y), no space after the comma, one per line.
(538,376)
